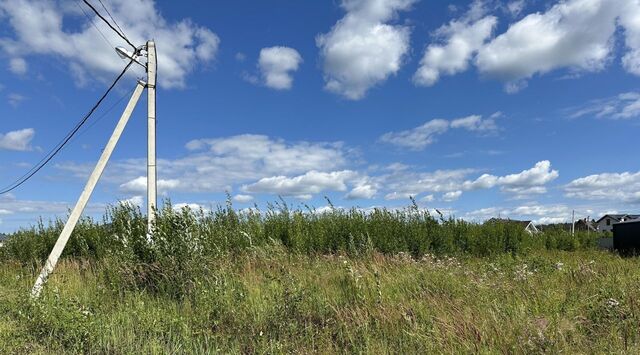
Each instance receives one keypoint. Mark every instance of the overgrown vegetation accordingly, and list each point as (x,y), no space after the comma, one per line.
(286,280)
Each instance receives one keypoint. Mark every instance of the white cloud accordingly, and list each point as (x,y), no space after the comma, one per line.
(5,212)
(620,187)
(630,20)
(428,198)
(18,66)
(451,196)
(190,206)
(476,123)
(276,65)
(363,189)
(240,57)
(540,214)
(515,7)
(243,198)
(522,184)
(216,165)
(417,138)
(139,184)
(460,39)
(135,201)
(623,106)
(18,208)
(420,137)
(15,99)
(362,49)
(302,186)
(17,140)
(40,28)
(405,183)
(573,34)
(402,184)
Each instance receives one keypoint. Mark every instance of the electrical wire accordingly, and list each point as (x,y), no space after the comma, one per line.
(94,25)
(103,115)
(110,25)
(52,153)
(112,19)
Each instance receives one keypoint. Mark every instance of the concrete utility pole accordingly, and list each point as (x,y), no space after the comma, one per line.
(152,188)
(150,51)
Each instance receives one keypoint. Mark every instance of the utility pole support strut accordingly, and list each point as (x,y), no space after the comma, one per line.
(51,262)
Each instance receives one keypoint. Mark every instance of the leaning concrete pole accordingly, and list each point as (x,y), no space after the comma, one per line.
(51,262)
(152,177)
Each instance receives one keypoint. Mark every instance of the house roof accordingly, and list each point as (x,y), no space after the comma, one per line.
(618,217)
(630,221)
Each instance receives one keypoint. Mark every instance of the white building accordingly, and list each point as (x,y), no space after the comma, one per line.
(605,223)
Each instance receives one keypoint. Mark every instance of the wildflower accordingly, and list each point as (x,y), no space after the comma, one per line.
(559,265)
(612,302)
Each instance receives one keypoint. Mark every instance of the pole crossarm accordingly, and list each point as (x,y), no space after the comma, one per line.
(51,262)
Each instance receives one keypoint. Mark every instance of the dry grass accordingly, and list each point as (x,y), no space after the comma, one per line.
(267,299)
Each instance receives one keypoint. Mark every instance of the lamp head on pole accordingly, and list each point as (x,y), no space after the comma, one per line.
(127,54)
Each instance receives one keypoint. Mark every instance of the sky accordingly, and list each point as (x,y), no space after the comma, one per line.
(526,109)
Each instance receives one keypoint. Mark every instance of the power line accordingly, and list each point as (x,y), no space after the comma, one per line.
(52,153)
(109,24)
(103,115)
(114,20)
(94,24)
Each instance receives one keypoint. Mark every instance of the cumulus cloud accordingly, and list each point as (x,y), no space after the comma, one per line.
(573,34)
(190,206)
(39,28)
(139,185)
(624,187)
(18,66)
(403,184)
(302,186)
(451,196)
(276,65)
(460,39)
(420,137)
(364,188)
(135,201)
(243,198)
(417,138)
(19,140)
(622,106)
(522,184)
(363,49)
(216,165)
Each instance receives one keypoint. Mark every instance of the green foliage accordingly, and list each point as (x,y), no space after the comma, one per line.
(183,237)
(270,300)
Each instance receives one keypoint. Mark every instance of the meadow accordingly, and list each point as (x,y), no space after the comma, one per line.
(298,281)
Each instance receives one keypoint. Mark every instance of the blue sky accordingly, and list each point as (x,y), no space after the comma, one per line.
(526,109)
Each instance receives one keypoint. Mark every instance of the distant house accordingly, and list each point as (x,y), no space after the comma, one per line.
(585,225)
(528,226)
(605,223)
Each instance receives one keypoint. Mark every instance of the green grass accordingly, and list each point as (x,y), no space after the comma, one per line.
(269,300)
(296,281)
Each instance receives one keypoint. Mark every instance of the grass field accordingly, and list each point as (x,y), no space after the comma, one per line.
(342,282)
(268,300)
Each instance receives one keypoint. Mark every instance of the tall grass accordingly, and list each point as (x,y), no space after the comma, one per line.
(291,280)
(187,233)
